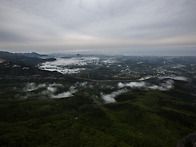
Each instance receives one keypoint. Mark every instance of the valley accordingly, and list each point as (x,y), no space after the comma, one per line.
(97,100)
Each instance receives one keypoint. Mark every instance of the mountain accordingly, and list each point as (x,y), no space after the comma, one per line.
(29,59)
(33,54)
(18,66)
(101,105)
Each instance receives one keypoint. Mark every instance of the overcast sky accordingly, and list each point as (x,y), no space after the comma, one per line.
(90,25)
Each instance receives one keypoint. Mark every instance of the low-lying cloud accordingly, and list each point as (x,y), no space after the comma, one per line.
(64,65)
(49,90)
(161,86)
(73,64)
(56,90)
(63,95)
(164,86)
(132,84)
(110,98)
(32,86)
(177,78)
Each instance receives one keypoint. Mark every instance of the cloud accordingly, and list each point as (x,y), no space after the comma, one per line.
(132,84)
(60,65)
(168,84)
(69,93)
(33,86)
(177,78)
(96,24)
(163,87)
(51,89)
(63,95)
(156,87)
(48,90)
(82,85)
(110,98)
(72,65)
(24,26)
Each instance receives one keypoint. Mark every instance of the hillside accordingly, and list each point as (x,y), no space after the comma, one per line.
(145,118)
(97,101)
(25,59)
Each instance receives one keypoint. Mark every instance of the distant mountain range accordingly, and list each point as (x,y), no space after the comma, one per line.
(33,54)
(29,59)
(24,64)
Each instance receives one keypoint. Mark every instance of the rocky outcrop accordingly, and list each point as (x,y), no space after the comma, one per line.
(188,141)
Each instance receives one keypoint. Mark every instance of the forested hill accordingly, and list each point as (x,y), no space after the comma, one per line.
(29,59)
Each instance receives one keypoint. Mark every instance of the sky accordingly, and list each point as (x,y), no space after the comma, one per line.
(143,27)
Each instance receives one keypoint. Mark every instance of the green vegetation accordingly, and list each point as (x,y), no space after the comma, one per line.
(33,114)
(139,118)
